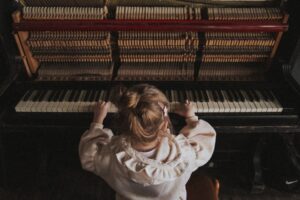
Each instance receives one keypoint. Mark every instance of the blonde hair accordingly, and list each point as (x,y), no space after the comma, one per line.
(141,113)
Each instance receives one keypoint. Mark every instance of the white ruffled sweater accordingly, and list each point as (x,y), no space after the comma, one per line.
(133,175)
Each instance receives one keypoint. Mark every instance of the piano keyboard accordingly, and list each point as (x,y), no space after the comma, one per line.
(204,101)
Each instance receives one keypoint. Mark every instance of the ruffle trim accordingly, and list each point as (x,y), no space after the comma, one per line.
(148,171)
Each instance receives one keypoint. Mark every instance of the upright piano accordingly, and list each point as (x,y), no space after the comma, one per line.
(230,58)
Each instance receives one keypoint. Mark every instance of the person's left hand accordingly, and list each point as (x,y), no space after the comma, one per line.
(100,111)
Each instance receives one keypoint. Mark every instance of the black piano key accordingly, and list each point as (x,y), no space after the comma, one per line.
(62,95)
(82,96)
(71,97)
(181,96)
(32,96)
(27,95)
(246,96)
(191,96)
(97,97)
(270,95)
(77,96)
(109,96)
(230,95)
(256,97)
(204,94)
(241,95)
(214,95)
(195,95)
(173,95)
(87,95)
(185,96)
(56,97)
(167,93)
(36,96)
(221,97)
(53,95)
(41,97)
(67,95)
(200,95)
(236,95)
(265,95)
(49,95)
(92,96)
(251,98)
(105,96)
(177,96)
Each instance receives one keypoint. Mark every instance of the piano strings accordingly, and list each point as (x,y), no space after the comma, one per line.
(150,55)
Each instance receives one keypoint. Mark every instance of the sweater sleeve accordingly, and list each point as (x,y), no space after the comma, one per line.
(202,137)
(91,143)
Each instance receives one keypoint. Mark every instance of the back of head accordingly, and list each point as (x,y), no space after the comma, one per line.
(141,113)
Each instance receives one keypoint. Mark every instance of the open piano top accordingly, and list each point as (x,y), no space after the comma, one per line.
(221,55)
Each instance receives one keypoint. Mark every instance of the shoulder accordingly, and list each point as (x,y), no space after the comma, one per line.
(206,126)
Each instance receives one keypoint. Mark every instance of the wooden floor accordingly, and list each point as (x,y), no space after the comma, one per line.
(81,185)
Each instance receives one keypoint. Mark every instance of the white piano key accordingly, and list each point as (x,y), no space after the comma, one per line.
(273,106)
(263,101)
(250,105)
(212,104)
(65,103)
(200,108)
(30,103)
(230,104)
(76,105)
(35,104)
(263,106)
(72,102)
(38,104)
(204,103)
(20,107)
(192,99)
(173,101)
(57,106)
(276,102)
(44,104)
(81,105)
(257,104)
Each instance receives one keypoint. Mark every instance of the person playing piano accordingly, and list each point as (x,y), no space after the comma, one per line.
(146,161)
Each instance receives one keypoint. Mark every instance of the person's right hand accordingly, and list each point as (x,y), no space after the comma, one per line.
(186,110)
(100,111)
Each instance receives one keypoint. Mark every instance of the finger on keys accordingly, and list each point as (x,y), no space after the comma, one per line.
(165,111)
